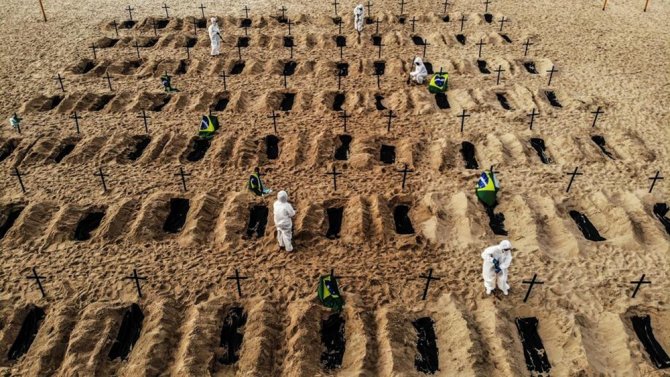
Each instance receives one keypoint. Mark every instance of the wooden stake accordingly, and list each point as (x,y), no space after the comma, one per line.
(605,5)
(45,15)
(646,4)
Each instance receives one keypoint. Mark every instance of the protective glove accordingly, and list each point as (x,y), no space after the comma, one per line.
(496,266)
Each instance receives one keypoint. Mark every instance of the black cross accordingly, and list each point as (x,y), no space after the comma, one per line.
(60,81)
(95,56)
(223,75)
(527,44)
(17,174)
(446,4)
(116,27)
(532,117)
(551,73)
(285,82)
(237,277)
(463,19)
(344,117)
(239,53)
(202,9)
(378,74)
(341,53)
(137,279)
(531,283)
(499,70)
(413,21)
(502,22)
(480,44)
(246,10)
(195,26)
(334,173)
(655,178)
(102,178)
(37,279)
(428,278)
(183,177)
(166,7)
(153,22)
(486,3)
(339,25)
(188,52)
(283,10)
(639,283)
(339,81)
(573,174)
(289,23)
(404,174)
(137,48)
(130,12)
(290,47)
(463,115)
(274,120)
(369,9)
(390,116)
(146,123)
(377,22)
(335,3)
(402,7)
(596,113)
(76,118)
(379,50)
(425,44)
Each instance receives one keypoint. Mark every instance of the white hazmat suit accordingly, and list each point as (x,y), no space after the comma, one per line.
(358,17)
(502,256)
(420,72)
(215,37)
(283,212)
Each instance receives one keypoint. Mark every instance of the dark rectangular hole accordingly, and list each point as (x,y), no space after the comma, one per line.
(442,101)
(380,67)
(378,102)
(503,101)
(129,333)
(403,224)
(51,103)
(177,216)
(445,18)
(401,20)
(426,360)
(418,40)
(376,40)
(141,143)
(468,153)
(246,22)
(63,151)
(496,222)
(645,333)
(338,101)
(106,42)
(198,149)
(488,17)
(12,215)
(530,67)
(429,67)
(242,42)
(288,41)
(191,42)
(551,97)
(182,67)
(287,102)
(83,66)
(127,24)
(238,67)
(162,23)
(221,104)
(533,349)
(341,41)
(337,20)
(29,328)
(146,42)
(334,222)
(369,20)
(7,149)
(332,337)
(272,147)
(586,227)
(164,100)
(460,38)
(282,20)
(600,142)
(201,23)
(101,102)
(506,38)
(660,210)
(342,151)
(87,224)
(538,145)
(481,64)
(289,68)
(258,219)
(342,69)
(387,154)
(232,335)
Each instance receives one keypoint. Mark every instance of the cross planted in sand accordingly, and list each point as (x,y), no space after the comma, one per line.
(530,283)
(390,116)
(37,278)
(130,12)
(344,117)
(202,9)
(480,44)
(551,73)
(532,117)
(639,284)
(527,44)
(76,118)
(572,178)
(446,4)
(596,114)
(335,4)
(246,10)
(463,115)
(428,278)
(18,175)
(334,173)
(223,75)
(502,22)
(116,27)
(137,279)
(499,70)
(60,81)
(404,174)
(486,4)
(95,56)
(183,176)
(413,21)
(655,178)
(102,179)
(146,122)
(402,7)
(274,120)
(166,7)
(237,278)
(463,19)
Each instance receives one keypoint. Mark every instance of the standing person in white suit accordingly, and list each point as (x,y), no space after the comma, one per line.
(497,260)
(215,36)
(283,212)
(358,18)
(418,75)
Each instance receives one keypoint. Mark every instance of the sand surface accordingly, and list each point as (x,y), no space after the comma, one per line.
(617,60)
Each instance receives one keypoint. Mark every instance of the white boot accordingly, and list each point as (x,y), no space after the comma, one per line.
(488,291)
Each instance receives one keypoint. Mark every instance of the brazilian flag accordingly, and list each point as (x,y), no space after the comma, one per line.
(208,126)
(329,293)
(487,188)
(439,83)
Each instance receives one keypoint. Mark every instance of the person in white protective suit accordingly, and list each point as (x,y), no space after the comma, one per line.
(215,36)
(283,212)
(358,17)
(420,72)
(497,260)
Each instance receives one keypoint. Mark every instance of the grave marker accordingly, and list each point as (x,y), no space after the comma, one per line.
(379,50)
(146,123)
(404,175)
(76,118)
(237,278)
(183,177)
(551,73)
(499,70)
(17,174)
(480,44)
(334,173)
(116,27)
(283,10)
(463,19)
(446,4)
(341,54)
(646,3)
(428,278)
(239,52)
(153,22)
(638,284)
(530,283)
(137,279)
(655,178)
(195,26)
(95,56)
(109,81)
(290,55)
(289,23)
(246,10)
(130,12)
(369,9)
(378,74)
(527,44)
(335,3)
(425,44)
(413,21)
(502,22)
(605,5)
(223,75)
(137,49)
(344,117)
(463,116)
(572,178)
(486,4)
(377,22)
(596,114)
(202,9)
(44,15)
(274,120)
(532,117)
(102,179)
(60,81)
(37,278)
(166,7)
(390,116)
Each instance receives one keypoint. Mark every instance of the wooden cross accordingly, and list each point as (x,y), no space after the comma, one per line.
(290,56)
(202,9)
(463,19)
(223,75)
(339,25)
(130,12)
(237,277)
(334,173)
(463,115)
(551,73)
(428,278)
(274,120)
(378,74)
(137,279)
(502,22)
(596,114)
(153,22)
(446,4)
(486,4)
(369,9)
(531,283)
(527,44)
(285,82)
(246,10)
(646,3)
(499,70)
(95,56)
(377,22)
(289,23)
(239,52)
(404,175)
(137,48)
(116,27)
(425,44)
(655,178)
(60,81)
(413,21)
(183,177)
(166,7)
(339,81)
(102,179)
(532,117)
(146,123)
(638,284)
(480,44)
(195,26)
(283,10)
(573,174)
(344,117)
(402,7)
(335,3)
(379,50)
(37,278)
(341,53)
(17,174)
(390,116)
(76,118)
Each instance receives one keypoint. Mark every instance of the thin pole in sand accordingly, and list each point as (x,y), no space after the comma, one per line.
(572,178)
(480,44)
(463,115)
(188,52)
(290,47)
(532,117)
(116,27)
(274,117)
(551,73)
(60,81)
(195,26)
(18,175)
(335,4)
(102,179)
(146,122)
(527,44)
(446,4)
(246,10)
(605,5)
(202,9)
(237,277)
(499,70)
(378,74)
(37,278)
(109,81)
(531,283)
(95,56)
(137,49)
(596,114)
(390,116)
(402,7)
(655,178)
(502,22)
(341,53)
(486,4)
(463,19)
(137,279)
(334,173)
(377,22)
(223,75)
(76,118)
(239,52)
(404,174)
(130,12)
(344,117)
(638,284)
(44,15)
(646,3)
(425,44)
(285,81)
(413,21)
(428,278)
(153,22)
(183,177)
(166,7)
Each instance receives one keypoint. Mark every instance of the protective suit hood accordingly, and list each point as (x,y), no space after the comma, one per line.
(505,245)
(213,20)
(359,10)
(282,196)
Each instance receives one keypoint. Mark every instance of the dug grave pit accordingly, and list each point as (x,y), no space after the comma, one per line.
(12,214)
(645,333)
(402,19)
(380,67)
(387,154)
(553,100)
(334,220)
(530,67)
(8,148)
(332,338)
(29,328)
(129,333)
(538,145)
(461,39)
(442,101)
(337,20)
(481,64)
(468,153)
(586,227)
(288,41)
(369,21)
(272,147)
(201,23)
(232,336)
(287,101)
(87,225)
(403,224)
(488,17)
(505,37)
(191,42)
(242,42)
(660,211)
(338,101)
(289,68)
(496,222)
(146,41)
(161,23)
(342,69)
(245,22)
(445,18)
(534,353)
(160,103)
(258,220)
(197,149)
(50,103)
(426,359)
(376,40)
(176,218)
(63,150)
(600,142)
(378,102)
(128,24)
(101,102)
(429,67)
(83,67)
(340,41)
(237,68)
(417,40)
(342,150)
(221,103)
(141,143)
(502,99)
